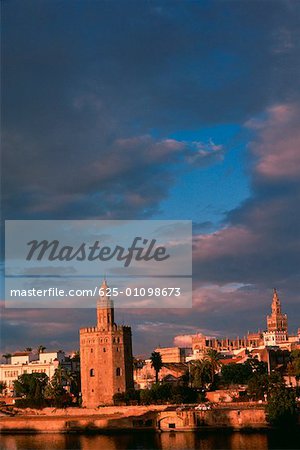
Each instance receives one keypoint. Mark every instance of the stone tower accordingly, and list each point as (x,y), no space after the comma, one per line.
(105,356)
(277,321)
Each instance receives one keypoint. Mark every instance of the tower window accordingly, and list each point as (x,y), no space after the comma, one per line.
(92,372)
(118,371)
(91,350)
(104,349)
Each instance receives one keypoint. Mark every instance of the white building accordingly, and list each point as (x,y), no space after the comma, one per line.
(21,363)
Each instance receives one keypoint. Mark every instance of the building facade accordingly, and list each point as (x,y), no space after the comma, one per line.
(277,324)
(21,363)
(277,321)
(173,354)
(106,362)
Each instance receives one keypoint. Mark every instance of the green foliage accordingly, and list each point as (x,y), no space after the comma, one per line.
(37,391)
(156,363)
(31,386)
(2,386)
(261,384)
(242,373)
(183,394)
(257,367)
(131,396)
(146,397)
(295,364)
(200,373)
(236,373)
(32,403)
(203,372)
(55,391)
(168,393)
(258,386)
(212,358)
(119,398)
(41,349)
(282,408)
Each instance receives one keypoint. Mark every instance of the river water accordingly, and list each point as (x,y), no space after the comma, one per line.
(208,440)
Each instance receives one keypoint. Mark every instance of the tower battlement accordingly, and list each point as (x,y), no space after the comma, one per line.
(99,329)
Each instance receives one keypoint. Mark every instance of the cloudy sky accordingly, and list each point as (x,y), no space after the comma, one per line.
(159,110)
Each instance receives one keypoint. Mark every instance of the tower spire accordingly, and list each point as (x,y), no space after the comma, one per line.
(276,321)
(105,308)
(276,306)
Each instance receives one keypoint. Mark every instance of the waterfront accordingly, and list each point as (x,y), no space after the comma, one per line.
(208,440)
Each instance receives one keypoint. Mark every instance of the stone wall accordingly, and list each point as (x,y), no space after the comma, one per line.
(134,418)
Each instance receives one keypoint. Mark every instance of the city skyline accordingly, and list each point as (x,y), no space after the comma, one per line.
(185,340)
(130,110)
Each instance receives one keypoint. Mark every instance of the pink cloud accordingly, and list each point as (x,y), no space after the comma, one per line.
(278,142)
(224,242)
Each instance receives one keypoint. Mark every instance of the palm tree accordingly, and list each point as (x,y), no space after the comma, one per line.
(156,363)
(7,356)
(76,355)
(59,376)
(290,371)
(28,349)
(71,380)
(200,373)
(212,357)
(41,349)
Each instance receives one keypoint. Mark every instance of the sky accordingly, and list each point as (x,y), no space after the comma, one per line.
(159,110)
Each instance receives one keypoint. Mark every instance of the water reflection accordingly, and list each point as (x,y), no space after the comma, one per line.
(218,440)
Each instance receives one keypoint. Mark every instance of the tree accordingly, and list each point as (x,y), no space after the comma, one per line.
(76,356)
(2,386)
(236,373)
(282,408)
(213,358)
(156,363)
(7,356)
(146,397)
(263,384)
(41,349)
(31,386)
(28,349)
(200,372)
(294,365)
(258,386)
(55,391)
(72,380)
(119,398)
(257,367)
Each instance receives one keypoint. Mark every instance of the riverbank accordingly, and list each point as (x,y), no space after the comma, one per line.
(131,418)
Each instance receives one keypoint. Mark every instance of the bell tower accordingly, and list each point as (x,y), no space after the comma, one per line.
(277,321)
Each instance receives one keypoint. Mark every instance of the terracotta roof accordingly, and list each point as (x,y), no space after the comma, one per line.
(230,360)
(21,354)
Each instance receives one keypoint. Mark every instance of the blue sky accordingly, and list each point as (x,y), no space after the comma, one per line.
(160,110)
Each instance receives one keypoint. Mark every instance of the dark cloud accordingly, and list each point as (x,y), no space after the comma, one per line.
(125,179)
(92,91)
(78,80)
(260,243)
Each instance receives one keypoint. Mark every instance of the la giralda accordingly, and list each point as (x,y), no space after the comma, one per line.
(143,251)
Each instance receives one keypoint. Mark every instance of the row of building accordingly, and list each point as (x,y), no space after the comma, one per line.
(28,362)
(106,360)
